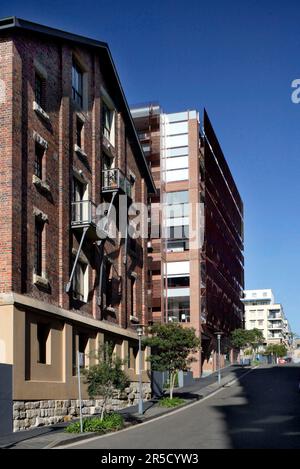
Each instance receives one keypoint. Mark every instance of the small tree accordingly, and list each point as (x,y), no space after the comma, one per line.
(255,338)
(172,347)
(242,338)
(105,376)
(276,350)
(239,338)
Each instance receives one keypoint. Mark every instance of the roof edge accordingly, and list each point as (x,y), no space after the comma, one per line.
(13,22)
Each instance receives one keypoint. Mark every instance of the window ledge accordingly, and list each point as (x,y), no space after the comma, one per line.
(37,108)
(41,281)
(42,185)
(134,319)
(79,150)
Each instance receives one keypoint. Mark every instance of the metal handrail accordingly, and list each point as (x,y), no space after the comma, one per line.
(114,179)
(83,212)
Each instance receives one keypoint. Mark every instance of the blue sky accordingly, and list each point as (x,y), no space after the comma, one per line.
(237,59)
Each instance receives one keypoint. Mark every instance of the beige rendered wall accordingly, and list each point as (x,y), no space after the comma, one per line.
(6,334)
(55,379)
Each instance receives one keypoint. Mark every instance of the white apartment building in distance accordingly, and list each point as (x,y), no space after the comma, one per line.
(263,313)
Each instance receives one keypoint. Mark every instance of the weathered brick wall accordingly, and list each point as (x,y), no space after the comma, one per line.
(6,109)
(19,196)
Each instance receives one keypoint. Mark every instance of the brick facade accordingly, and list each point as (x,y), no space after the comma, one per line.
(51,53)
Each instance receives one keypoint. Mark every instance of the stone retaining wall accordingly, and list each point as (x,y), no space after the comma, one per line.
(29,414)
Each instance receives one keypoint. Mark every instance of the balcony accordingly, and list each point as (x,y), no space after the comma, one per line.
(83,213)
(84,217)
(114,180)
(275,326)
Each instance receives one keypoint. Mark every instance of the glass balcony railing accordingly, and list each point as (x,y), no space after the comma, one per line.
(114,180)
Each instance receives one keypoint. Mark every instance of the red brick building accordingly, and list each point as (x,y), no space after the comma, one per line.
(67,144)
(197,261)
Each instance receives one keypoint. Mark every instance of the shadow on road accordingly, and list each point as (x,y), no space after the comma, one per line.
(264,409)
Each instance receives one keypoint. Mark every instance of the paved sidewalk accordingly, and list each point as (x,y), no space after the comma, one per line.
(50,437)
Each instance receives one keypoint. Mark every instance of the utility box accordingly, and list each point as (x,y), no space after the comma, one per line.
(6,400)
(185,378)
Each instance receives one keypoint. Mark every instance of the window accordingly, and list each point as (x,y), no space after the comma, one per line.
(177,282)
(38,246)
(132,356)
(79,129)
(107,291)
(82,346)
(177,219)
(80,342)
(178,309)
(39,90)
(77,84)
(132,297)
(38,162)
(79,281)
(174,198)
(107,122)
(43,331)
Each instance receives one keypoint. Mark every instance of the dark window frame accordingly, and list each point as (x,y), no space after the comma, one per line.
(40,90)
(78,281)
(43,331)
(77,83)
(79,132)
(107,122)
(38,246)
(38,160)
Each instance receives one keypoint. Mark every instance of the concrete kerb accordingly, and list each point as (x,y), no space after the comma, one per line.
(212,389)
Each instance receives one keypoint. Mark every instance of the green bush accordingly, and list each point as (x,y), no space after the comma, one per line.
(167,402)
(255,362)
(110,422)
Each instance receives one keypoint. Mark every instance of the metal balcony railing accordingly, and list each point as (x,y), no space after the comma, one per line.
(114,180)
(83,213)
(275,326)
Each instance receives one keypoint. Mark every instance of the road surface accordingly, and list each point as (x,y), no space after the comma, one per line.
(262,410)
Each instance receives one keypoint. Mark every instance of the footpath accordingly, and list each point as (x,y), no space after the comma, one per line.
(55,435)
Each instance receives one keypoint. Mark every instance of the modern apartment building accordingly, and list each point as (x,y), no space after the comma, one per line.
(263,313)
(67,144)
(196,230)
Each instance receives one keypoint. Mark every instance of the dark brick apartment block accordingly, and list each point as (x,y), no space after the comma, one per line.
(67,144)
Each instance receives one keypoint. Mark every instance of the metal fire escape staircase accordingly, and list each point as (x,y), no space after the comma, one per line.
(84,218)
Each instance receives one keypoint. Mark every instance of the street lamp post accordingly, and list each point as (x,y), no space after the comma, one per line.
(218,334)
(219,358)
(139,331)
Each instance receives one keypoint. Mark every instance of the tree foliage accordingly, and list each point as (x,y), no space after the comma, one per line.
(172,347)
(106,376)
(241,338)
(279,350)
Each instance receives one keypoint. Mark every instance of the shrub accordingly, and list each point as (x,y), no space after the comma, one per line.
(110,422)
(168,402)
(105,376)
(172,349)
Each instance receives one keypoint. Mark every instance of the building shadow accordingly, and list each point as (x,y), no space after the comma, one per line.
(263,410)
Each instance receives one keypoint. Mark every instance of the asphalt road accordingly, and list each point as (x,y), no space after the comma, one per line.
(262,410)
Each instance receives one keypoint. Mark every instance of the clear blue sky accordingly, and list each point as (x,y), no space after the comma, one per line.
(237,59)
